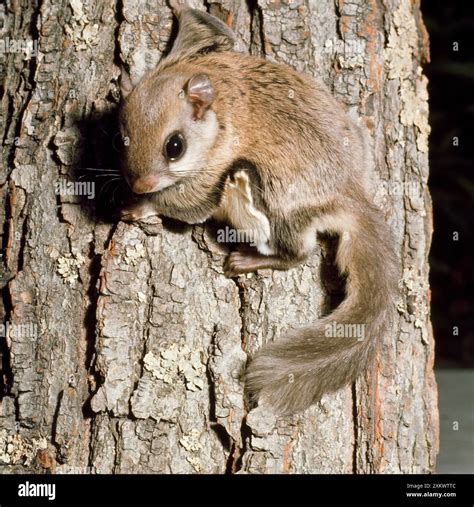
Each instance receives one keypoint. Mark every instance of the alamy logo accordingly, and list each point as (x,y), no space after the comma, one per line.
(86,188)
(27,46)
(230,235)
(33,489)
(26,330)
(338,330)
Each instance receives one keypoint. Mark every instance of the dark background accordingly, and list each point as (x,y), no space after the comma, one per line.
(451,87)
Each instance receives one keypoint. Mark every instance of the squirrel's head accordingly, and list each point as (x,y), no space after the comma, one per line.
(168,128)
(167,122)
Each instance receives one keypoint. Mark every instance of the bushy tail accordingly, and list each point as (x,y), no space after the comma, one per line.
(295,371)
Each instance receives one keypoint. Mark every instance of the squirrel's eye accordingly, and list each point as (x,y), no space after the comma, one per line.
(174,147)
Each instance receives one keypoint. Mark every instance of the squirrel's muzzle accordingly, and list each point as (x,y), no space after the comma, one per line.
(145,184)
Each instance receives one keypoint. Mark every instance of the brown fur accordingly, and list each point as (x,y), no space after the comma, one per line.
(306,164)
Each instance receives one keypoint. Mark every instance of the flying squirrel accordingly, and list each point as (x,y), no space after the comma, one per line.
(213,133)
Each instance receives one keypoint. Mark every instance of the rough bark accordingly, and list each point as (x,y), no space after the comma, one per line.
(137,340)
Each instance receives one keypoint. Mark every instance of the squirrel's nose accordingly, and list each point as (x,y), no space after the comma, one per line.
(145,184)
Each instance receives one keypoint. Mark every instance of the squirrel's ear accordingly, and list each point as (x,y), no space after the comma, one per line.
(200,94)
(199,32)
(126,85)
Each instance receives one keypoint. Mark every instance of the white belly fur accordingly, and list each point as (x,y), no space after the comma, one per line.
(237,207)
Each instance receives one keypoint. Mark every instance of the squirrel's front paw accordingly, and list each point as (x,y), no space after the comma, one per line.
(138,212)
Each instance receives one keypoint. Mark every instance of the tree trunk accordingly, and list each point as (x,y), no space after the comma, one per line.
(124,346)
